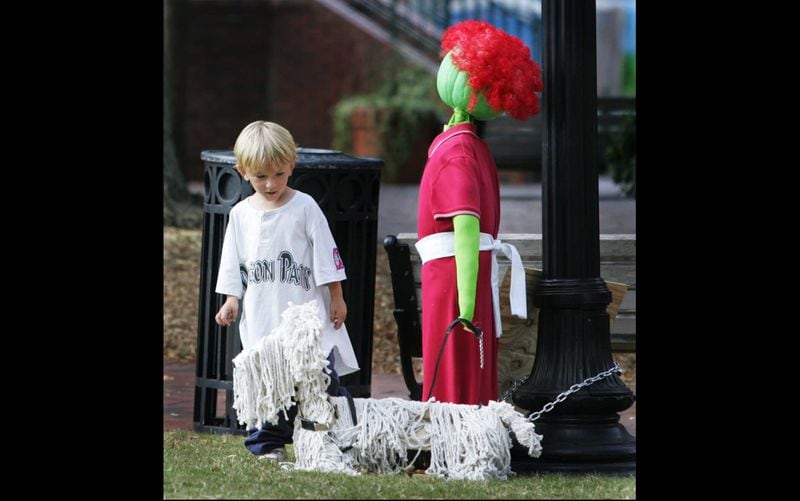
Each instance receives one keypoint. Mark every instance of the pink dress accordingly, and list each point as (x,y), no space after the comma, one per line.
(459,178)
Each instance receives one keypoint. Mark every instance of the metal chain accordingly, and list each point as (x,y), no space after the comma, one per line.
(480,344)
(563,396)
(572,389)
(513,387)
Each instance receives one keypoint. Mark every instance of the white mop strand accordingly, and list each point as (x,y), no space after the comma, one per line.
(387,431)
(299,332)
(290,363)
(524,430)
(466,441)
(264,377)
(314,450)
(344,432)
(262,385)
(317,451)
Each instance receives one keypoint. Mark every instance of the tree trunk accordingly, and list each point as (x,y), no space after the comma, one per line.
(178,210)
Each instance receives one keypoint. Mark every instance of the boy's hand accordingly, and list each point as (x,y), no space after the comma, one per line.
(338,312)
(229,311)
(338,308)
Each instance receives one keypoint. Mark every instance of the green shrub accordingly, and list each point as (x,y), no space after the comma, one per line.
(620,157)
(405,106)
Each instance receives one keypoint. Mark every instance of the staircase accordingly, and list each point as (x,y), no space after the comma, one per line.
(421,22)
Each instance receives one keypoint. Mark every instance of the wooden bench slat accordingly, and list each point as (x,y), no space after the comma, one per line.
(613,247)
(628,302)
(616,272)
(625,343)
(624,324)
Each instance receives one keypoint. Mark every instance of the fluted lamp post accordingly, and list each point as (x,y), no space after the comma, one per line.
(583,433)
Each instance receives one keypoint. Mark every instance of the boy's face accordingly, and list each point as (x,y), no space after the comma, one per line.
(271,184)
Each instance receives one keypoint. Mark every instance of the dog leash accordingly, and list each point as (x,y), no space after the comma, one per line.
(470,327)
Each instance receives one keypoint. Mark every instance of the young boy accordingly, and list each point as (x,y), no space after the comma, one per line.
(281,241)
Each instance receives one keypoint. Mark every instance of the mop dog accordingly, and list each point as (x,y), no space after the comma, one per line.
(352,436)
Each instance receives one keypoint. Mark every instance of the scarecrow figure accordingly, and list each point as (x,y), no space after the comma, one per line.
(485,72)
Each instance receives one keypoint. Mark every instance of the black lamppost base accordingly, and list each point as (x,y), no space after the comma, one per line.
(583,434)
(579,447)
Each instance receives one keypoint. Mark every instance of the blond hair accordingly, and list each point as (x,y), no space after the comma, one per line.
(262,146)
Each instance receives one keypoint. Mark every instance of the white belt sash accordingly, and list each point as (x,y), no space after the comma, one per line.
(438,245)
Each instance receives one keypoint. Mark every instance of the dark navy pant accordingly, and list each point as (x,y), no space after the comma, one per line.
(272,436)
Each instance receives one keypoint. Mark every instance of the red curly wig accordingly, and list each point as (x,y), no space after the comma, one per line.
(499,66)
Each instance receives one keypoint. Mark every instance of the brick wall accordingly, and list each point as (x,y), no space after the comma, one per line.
(287,62)
(225,77)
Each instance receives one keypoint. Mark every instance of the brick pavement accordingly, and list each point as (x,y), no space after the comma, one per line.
(179,378)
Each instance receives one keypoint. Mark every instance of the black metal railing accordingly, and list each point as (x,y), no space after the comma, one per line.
(421,22)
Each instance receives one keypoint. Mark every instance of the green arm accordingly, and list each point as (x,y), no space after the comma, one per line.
(467,239)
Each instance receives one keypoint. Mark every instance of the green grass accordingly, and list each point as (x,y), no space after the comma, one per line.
(218,466)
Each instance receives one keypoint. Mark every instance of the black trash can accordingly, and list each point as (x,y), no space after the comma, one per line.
(346,188)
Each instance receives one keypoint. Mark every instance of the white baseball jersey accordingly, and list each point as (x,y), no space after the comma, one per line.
(285,255)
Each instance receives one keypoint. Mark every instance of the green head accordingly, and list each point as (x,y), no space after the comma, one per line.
(457,93)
